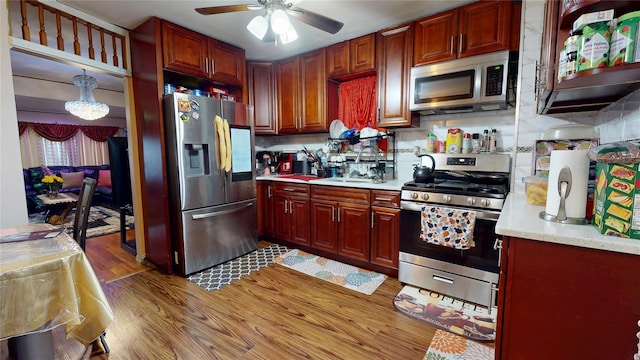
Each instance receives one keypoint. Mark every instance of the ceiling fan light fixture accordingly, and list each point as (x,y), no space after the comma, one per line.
(290,36)
(258,27)
(86,108)
(280,22)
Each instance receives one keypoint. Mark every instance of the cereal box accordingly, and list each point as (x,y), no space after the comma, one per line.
(617,190)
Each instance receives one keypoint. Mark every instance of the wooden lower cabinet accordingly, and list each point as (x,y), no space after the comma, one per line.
(565,302)
(265,194)
(291,213)
(385,228)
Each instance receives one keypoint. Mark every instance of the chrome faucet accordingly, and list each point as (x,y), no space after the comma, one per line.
(378,176)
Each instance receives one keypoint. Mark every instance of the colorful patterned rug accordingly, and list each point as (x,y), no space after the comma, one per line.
(102,221)
(224,274)
(448,346)
(347,276)
(466,319)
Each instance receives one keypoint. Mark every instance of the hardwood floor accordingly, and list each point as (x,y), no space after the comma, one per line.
(276,313)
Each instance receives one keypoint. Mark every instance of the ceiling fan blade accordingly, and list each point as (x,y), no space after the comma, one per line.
(226,9)
(316,20)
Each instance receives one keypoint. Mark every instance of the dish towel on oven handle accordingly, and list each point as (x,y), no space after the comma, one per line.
(448,227)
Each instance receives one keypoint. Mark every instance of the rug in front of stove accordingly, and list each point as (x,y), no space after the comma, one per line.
(348,276)
(449,346)
(219,276)
(463,318)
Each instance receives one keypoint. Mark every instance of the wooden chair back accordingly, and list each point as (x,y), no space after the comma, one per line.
(82,211)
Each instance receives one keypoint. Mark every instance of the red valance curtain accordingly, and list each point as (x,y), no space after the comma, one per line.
(63,132)
(357,103)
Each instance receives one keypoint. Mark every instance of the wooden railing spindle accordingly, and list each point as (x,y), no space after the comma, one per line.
(115,49)
(103,53)
(92,53)
(76,43)
(43,33)
(124,51)
(26,34)
(59,28)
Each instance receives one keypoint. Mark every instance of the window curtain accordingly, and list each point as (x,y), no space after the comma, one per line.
(58,144)
(357,103)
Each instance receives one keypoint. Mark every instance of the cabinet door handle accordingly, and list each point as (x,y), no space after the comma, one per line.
(338,213)
(290,207)
(383,199)
(288,189)
(460,44)
(333,214)
(372,219)
(269,192)
(213,66)
(206,65)
(286,207)
(451,46)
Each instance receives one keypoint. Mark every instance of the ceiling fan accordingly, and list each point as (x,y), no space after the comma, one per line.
(276,8)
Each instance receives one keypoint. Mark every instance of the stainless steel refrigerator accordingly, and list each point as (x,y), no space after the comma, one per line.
(212,189)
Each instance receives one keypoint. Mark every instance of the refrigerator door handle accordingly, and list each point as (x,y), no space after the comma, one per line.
(218,213)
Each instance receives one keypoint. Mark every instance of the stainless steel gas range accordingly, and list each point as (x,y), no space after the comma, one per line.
(472,182)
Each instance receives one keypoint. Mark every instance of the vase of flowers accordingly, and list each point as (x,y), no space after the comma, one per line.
(54,183)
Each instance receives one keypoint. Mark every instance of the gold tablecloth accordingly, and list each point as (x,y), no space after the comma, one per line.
(46,283)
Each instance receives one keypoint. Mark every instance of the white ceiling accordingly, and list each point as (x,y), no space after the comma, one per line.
(360,17)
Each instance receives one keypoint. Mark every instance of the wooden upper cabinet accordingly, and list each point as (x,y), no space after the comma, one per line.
(301,92)
(485,27)
(313,82)
(362,53)
(351,57)
(393,53)
(287,75)
(262,89)
(475,29)
(184,50)
(191,53)
(435,38)
(338,60)
(227,63)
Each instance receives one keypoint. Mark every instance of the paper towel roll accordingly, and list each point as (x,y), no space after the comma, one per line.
(576,202)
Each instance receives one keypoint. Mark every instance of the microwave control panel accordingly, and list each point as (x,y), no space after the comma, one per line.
(495,77)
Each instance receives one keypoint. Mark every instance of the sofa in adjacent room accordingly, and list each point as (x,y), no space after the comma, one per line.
(72,181)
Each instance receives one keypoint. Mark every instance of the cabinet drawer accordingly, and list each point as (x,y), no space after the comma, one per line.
(385,198)
(292,189)
(340,194)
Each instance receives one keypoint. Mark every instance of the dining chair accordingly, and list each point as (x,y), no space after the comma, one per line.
(80,225)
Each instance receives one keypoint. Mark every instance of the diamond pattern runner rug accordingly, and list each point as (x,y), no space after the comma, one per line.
(466,319)
(347,276)
(224,274)
(448,346)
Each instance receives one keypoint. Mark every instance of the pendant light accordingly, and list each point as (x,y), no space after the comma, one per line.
(86,108)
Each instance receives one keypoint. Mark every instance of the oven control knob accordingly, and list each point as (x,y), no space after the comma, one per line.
(446,198)
(471,201)
(485,202)
(425,197)
(414,195)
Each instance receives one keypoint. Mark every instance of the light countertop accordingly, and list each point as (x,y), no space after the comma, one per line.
(520,219)
(395,184)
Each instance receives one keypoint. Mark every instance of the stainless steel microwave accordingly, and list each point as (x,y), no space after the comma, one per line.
(477,83)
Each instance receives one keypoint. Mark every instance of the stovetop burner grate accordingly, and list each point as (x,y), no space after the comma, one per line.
(459,188)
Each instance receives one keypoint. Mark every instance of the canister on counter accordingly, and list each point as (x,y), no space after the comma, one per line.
(454,141)
(432,142)
(624,40)
(593,49)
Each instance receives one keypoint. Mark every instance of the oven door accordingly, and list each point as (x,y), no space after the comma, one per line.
(484,256)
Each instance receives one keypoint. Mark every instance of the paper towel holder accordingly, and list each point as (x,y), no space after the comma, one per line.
(564,189)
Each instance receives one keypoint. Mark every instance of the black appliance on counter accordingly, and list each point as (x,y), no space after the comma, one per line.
(474,182)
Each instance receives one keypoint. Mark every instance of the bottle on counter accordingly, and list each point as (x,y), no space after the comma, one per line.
(493,141)
(466,144)
(485,141)
(476,143)
(432,143)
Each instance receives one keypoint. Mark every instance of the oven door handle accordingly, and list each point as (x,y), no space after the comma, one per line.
(480,214)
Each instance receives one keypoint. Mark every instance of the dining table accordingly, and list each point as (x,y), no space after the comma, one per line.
(46,281)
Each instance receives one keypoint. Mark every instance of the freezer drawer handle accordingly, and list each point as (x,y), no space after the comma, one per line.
(443,279)
(218,213)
